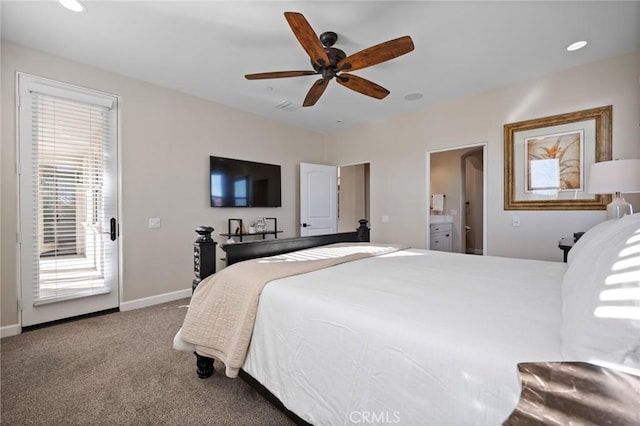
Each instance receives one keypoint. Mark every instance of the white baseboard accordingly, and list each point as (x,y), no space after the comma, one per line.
(15,329)
(155,300)
(10,330)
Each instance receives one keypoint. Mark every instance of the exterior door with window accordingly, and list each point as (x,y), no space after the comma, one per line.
(67,145)
(318,199)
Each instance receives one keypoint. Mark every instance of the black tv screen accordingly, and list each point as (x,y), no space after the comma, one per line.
(239,183)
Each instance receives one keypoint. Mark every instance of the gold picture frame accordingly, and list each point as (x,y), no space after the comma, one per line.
(547,160)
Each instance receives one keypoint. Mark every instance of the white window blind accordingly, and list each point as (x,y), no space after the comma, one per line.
(70,142)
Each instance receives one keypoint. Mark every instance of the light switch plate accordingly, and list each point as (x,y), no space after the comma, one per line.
(515,221)
(385,219)
(154,222)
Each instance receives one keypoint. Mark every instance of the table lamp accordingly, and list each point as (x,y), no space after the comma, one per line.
(615,177)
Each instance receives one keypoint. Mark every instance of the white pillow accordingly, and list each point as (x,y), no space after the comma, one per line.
(601,312)
(593,237)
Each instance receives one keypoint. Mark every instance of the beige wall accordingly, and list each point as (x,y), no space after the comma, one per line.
(166,140)
(397,149)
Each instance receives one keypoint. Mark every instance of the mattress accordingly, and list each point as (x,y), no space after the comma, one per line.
(410,338)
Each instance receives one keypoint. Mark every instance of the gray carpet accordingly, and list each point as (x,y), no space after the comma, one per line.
(120,369)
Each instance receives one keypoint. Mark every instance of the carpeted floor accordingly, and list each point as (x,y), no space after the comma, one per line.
(119,369)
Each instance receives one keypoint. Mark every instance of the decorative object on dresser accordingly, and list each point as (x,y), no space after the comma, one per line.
(204,255)
(261,225)
(615,177)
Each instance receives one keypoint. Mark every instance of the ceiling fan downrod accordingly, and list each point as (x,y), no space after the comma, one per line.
(328,39)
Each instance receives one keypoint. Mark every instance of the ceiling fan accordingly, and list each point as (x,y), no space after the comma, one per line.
(331,62)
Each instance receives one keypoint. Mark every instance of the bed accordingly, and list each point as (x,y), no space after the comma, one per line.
(409,336)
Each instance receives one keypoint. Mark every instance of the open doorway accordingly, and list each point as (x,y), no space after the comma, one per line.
(457,189)
(472,169)
(353,196)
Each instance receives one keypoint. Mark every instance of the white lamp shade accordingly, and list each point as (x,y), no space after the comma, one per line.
(607,177)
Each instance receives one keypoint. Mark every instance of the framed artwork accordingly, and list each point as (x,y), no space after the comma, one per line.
(547,160)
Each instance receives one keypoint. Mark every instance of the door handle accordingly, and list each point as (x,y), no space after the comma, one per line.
(113,229)
(304,225)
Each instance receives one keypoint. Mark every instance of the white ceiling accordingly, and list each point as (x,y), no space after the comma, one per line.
(204,48)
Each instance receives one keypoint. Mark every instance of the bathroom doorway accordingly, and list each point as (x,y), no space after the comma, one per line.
(457,182)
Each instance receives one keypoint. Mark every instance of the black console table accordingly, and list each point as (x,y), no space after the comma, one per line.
(240,232)
(237,252)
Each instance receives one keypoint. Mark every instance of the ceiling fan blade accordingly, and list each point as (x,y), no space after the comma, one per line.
(307,38)
(362,85)
(278,74)
(315,92)
(377,54)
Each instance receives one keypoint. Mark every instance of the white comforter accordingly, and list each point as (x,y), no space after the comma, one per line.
(412,338)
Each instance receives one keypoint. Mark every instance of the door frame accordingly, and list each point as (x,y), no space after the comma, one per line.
(118,195)
(464,198)
(485,171)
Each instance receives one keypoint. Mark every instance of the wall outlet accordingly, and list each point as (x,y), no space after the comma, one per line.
(154,222)
(515,221)
(453,212)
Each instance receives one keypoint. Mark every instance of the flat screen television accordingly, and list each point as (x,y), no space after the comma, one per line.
(240,183)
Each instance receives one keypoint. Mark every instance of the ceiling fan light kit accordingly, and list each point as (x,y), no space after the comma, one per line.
(330,62)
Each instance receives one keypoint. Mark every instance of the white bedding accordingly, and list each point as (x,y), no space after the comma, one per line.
(355,344)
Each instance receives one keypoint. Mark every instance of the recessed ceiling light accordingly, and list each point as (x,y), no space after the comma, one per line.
(576,46)
(73,5)
(413,96)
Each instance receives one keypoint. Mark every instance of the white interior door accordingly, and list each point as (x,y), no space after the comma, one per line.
(67,143)
(318,199)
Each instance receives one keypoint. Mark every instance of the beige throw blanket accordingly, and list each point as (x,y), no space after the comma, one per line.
(223,308)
